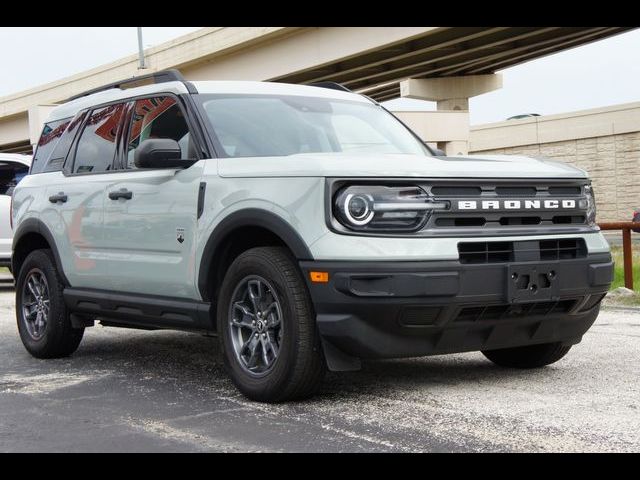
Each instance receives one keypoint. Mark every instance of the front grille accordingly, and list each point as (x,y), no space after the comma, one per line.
(455,191)
(569,219)
(509,311)
(516,191)
(534,250)
(485,252)
(505,194)
(460,222)
(562,249)
(565,190)
(520,220)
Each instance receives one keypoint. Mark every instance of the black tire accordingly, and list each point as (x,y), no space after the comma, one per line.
(57,338)
(299,367)
(530,356)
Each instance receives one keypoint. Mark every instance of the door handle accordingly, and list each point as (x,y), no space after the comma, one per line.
(60,197)
(122,193)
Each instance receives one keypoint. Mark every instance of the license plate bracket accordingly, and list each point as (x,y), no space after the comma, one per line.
(532,283)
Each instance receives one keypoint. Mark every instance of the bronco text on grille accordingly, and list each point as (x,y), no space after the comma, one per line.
(519,204)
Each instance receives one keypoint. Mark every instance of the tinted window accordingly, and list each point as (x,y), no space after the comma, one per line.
(10,174)
(158,117)
(49,138)
(97,144)
(57,157)
(274,125)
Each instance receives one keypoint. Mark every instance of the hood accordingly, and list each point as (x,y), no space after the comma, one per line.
(345,165)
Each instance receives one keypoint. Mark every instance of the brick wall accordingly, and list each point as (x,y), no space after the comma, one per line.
(613,163)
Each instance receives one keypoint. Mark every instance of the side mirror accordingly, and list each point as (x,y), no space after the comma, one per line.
(160,153)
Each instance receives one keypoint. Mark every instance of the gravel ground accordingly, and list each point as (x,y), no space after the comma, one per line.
(136,391)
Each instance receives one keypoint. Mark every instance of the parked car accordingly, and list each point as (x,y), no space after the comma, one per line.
(13,167)
(305,225)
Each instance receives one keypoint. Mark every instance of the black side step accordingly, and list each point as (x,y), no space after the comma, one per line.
(140,310)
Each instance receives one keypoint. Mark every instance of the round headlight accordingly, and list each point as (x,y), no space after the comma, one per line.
(358,208)
(382,208)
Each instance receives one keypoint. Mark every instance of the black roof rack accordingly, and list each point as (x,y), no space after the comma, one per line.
(163,76)
(331,85)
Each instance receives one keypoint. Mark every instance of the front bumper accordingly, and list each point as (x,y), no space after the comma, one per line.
(406,309)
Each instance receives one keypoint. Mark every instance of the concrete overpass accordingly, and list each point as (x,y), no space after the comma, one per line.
(444,64)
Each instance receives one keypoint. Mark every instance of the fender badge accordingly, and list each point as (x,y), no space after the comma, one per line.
(180,235)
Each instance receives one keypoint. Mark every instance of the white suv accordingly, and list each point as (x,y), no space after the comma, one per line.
(305,225)
(13,168)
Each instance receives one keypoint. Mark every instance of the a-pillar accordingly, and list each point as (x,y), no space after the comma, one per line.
(452,95)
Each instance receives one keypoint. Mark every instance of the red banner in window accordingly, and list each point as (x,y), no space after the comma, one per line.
(146,111)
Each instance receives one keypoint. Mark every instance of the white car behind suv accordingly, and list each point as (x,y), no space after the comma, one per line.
(13,167)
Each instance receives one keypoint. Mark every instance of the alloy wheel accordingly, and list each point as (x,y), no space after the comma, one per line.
(255,325)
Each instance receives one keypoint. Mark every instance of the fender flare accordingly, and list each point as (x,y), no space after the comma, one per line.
(250,217)
(34,225)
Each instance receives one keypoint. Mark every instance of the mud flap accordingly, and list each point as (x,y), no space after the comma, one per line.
(337,360)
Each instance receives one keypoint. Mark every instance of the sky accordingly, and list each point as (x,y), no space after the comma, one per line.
(599,74)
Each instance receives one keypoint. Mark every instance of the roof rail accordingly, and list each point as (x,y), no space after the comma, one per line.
(163,76)
(331,85)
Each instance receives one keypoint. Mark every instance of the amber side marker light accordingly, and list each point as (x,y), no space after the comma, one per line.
(319,277)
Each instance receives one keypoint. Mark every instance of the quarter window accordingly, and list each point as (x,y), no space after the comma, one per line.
(97,145)
(158,117)
(49,138)
(57,157)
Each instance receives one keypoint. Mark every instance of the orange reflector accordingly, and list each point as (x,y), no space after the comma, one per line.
(319,277)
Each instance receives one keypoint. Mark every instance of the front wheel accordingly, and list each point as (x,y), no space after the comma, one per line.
(530,356)
(43,320)
(269,339)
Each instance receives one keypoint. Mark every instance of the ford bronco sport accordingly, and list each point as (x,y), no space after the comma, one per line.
(305,225)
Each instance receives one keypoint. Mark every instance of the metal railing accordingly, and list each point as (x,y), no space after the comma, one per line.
(627,251)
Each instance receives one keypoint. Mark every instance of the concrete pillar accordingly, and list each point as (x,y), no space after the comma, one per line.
(454,147)
(452,95)
(13,129)
(445,129)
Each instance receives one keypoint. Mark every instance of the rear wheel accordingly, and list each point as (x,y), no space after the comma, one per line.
(269,339)
(43,320)
(530,356)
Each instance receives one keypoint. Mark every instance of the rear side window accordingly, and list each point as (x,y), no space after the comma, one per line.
(49,138)
(97,144)
(10,174)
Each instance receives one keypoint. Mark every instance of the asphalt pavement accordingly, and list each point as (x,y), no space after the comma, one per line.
(139,391)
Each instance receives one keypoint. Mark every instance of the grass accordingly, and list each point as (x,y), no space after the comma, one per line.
(618,279)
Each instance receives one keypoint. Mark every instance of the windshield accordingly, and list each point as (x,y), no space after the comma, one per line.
(275,125)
